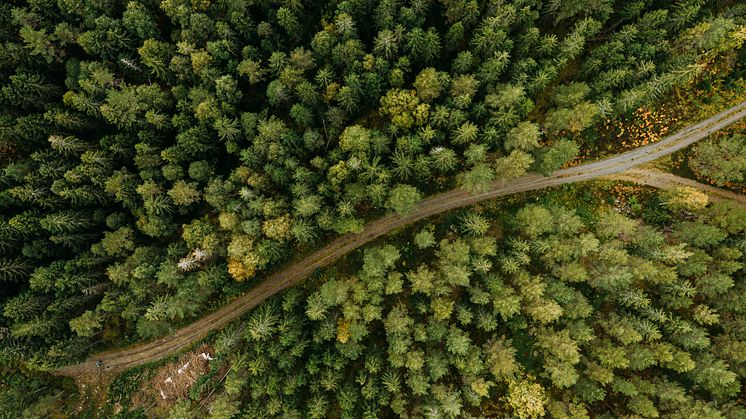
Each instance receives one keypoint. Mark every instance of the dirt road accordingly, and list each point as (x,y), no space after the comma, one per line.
(663,180)
(119,360)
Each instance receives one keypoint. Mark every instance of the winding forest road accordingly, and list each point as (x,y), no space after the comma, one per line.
(119,360)
(663,180)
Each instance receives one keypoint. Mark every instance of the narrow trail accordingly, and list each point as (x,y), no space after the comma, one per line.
(663,180)
(119,360)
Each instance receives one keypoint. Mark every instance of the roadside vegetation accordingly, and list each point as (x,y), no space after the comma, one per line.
(628,304)
(159,158)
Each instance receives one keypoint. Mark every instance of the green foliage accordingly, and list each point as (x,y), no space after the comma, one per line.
(119,242)
(403,199)
(721,161)
(429,84)
(521,324)
(355,139)
(33,394)
(526,399)
(474,224)
(86,324)
(535,220)
(404,108)
(684,199)
(476,180)
(424,239)
(524,137)
(126,107)
(156,153)
(183,193)
(556,156)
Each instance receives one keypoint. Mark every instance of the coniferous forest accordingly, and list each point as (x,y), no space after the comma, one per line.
(161,158)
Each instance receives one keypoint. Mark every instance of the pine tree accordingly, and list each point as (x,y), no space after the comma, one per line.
(14,270)
(403,199)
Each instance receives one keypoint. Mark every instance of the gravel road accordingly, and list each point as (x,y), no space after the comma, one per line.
(663,180)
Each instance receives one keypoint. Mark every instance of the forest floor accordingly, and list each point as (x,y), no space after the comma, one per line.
(113,362)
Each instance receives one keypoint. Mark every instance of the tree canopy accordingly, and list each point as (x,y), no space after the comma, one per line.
(158,158)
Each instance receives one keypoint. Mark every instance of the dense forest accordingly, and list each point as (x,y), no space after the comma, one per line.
(558,314)
(158,158)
